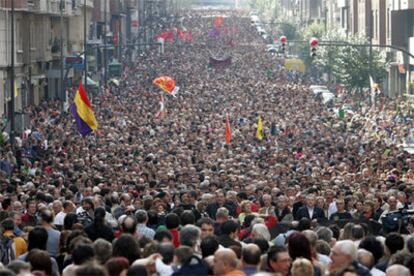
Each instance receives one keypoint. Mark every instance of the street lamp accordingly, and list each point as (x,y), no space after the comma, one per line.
(12,88)
(105,50)
(62,86)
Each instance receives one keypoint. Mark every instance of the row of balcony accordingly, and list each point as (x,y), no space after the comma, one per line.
(71,7)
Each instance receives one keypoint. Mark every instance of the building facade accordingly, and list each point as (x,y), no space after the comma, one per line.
(385,22)
(37,33)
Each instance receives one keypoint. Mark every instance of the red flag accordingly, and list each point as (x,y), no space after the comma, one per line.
(181,34)
(228,131)
(188,36)
(170,37)
(163,35)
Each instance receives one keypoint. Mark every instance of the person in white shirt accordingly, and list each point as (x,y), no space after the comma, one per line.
(329,195)
(164,265)
(68,207)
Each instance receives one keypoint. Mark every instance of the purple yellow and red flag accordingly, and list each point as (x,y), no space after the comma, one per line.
(82,111)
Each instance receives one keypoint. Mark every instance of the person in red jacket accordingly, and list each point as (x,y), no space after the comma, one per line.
(172,222)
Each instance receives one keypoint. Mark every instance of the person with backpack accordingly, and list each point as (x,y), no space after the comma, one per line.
(11,246)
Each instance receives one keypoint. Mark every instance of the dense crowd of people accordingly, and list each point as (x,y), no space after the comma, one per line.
(318,195)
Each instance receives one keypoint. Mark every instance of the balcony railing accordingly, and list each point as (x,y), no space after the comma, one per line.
(22,5)
(130,4)
(71,7)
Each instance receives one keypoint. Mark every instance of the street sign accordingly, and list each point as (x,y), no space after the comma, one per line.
(114,70)
(79,66)
(74,61)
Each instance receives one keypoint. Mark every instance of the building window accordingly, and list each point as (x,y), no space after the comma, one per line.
(388,23)
(344,15)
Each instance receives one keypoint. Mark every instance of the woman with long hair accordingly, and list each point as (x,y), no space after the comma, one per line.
(300,247)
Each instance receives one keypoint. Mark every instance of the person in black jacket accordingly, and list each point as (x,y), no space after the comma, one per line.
(341,213)
(310,211)
(229,232)
(221,202)
(99,228)
(282,211)
(298,204)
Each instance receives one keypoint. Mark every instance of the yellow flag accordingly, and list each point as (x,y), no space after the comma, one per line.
(16,93)
(259,132)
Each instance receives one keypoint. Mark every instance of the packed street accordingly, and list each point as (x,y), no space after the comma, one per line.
(243,170)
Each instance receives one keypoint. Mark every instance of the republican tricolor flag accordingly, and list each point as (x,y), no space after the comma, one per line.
(83,113)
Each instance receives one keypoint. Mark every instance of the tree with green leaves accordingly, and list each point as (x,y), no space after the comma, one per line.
(288,29)
(314,30)
(350,65)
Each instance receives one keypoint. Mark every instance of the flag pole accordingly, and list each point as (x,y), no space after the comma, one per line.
(85,44)
(164,100)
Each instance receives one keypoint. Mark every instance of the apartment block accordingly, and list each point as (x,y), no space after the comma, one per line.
(386,22)
(379,13)
(334,14)
(400,33)
(310,11)
(37,33)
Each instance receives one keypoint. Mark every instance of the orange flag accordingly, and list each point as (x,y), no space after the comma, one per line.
(167,84)
(228,132)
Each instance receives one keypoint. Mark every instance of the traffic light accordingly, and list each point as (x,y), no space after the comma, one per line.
(283,42)
(313,45)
